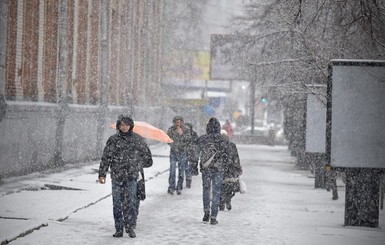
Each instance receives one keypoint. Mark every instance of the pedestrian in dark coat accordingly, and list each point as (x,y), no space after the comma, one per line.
(125,154)
(214,156)
(230,183)
(192,156)
(181,136)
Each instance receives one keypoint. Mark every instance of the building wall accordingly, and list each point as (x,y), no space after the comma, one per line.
(134,48)
(62,88)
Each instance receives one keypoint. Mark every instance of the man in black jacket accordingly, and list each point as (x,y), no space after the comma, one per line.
(126,154)
(214,157)
(181,136)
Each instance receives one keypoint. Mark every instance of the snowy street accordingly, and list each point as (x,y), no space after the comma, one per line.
(281,206)
(298,86)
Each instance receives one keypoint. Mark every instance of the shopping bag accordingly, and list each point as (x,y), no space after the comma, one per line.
(242,186)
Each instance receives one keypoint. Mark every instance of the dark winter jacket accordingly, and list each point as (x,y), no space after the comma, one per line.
(125,154)
(234,169)
(192,147)
(180,142)
(213,139)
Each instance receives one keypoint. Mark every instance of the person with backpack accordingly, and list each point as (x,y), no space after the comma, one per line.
(214,157)
(181,136)
(125,154)
(230,182)
(228,128)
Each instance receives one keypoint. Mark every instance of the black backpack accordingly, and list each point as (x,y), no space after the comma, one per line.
(209,155)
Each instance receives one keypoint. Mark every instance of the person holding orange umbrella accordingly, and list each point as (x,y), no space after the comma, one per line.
(125,154)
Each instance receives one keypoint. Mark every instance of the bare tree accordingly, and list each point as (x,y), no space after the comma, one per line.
(310,33)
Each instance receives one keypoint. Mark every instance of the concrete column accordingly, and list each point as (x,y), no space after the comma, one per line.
(104,72)
(3,43)
(61,83)
(318,161)
(362,197)
(64,111)
(3,54)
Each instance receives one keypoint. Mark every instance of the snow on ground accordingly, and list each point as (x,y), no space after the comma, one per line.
(280,207)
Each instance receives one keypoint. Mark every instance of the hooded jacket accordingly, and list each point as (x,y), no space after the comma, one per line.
(213,136)
(125,154)
(192,148)
(234,169)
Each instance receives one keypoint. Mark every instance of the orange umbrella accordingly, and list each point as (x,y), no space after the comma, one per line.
(146,130)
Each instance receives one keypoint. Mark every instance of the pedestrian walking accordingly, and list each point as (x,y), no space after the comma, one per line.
(228,128)
(192,156)
(230,183)
(181,136)
(125,154)
(214,156)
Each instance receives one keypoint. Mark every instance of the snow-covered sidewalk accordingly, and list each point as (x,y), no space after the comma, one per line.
(280,207)
(33,201)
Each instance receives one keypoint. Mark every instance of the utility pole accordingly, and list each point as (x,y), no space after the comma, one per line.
(3,43)
(63,109)
(252,103)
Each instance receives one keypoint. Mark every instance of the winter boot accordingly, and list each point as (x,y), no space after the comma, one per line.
(213,221)
(206,217)
(221,207)
(118,234)
(170,192)
(134,223)
(188,183)
(228,205)
(131,232)
(178,192)
(133,226)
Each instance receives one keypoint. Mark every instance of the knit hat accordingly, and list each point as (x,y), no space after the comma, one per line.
(177,118)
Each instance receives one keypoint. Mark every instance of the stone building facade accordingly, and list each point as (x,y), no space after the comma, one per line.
(67,69)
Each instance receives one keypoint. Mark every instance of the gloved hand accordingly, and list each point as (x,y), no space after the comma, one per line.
(102,180)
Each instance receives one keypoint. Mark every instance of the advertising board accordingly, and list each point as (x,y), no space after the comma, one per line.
(356,114)
(315,124)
